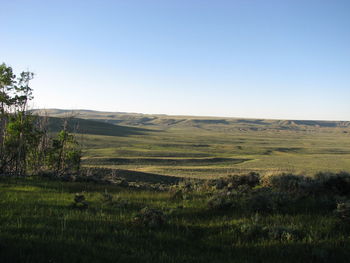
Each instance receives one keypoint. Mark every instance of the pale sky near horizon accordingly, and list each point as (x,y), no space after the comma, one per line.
(286,59)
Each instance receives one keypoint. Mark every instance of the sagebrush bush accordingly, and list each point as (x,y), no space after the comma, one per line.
(264,200)
(234,181)
(289,183)
(283,233)
(120,202)
(252,179)
(251,231)
(221,201)
(106,197)
(338,184)
(343,210)
(176,194)
(80,201)
(243,198)
(150,217)
(220,183)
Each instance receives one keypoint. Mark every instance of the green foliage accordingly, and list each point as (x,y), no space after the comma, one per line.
(64,155)
(18,135)
(25,146)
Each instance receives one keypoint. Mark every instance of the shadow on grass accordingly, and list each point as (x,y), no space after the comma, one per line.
(95,127)
(122,243)
(163,161)
(133,176)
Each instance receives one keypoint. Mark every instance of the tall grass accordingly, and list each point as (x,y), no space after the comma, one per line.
(39,223)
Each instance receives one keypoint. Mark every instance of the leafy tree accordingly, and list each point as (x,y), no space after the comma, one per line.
(25,144)
(65,154)
(7,80)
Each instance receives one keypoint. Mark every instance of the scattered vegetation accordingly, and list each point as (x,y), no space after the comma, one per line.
(307,222)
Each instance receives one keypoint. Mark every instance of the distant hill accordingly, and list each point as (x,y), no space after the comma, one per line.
(154,121)
(85,126)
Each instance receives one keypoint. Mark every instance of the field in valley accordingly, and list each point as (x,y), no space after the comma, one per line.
(203,147)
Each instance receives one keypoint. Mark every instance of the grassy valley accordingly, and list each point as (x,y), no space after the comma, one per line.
(203,147)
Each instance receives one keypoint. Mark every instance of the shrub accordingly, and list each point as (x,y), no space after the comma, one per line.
(122,183)
(343,210)
(106,197)
(232,182)
(320,255)
(186,186)
(80,201)
(220,201)
(176,194)
(120,203)
(283,233)
(289,183)
(252,179)
(220,183)
(149,217)
(262,200)
(240,190)
(251,231)
(338,183)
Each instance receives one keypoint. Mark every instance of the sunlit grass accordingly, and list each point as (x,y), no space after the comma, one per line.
(302,152)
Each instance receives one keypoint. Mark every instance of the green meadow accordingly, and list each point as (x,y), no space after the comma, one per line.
(40,223)
(200,147)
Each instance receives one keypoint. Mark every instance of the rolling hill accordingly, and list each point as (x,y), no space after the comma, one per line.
(167,121)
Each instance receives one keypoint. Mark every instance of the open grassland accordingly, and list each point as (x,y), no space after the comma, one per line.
(216,150)
(39,223)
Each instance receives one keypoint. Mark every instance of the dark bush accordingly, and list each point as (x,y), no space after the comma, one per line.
(80,201)
(338,184)
(149,217)
(343,210)
(220,201)
(252,179)
(264,200)
(232,182)
(251,231)
(106,197)
(283,233)
(290,183)
(221,183)
(176,194)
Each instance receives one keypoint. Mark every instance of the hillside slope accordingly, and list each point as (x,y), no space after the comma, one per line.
(85,126)
(167,121)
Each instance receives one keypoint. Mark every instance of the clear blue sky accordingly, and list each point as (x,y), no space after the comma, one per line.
(285,59)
